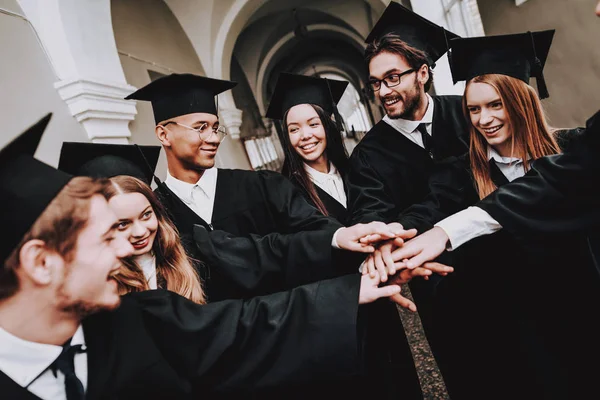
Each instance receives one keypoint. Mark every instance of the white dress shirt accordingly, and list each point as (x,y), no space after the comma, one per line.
(199,196)
(473,222)
(331,182)
(27,363)
(147,263)
(409,128)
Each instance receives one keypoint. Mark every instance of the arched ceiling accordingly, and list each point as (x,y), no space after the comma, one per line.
(332,41)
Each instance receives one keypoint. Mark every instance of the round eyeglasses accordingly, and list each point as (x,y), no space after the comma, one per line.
(389,81)
(202,132)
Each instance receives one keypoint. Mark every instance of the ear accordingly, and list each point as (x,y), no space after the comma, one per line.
(38,263)
(423,74)
(162,135)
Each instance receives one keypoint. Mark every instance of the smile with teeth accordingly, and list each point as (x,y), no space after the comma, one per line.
(389,102)
(140,243)
(489,131)
(309,146)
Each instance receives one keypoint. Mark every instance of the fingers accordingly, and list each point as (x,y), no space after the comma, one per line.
(404,302)
(370,264)
(409,234)
(438,268)
(380,266)
(370,239)
(386,255)
(386,291)
(406,252)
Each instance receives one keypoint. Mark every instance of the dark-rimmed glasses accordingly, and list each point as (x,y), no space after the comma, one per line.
(202,132)
(389,81)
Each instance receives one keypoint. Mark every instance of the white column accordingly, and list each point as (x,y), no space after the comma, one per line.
(79,39)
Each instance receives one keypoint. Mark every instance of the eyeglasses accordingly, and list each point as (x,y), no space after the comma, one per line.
(389,81)
(202,132)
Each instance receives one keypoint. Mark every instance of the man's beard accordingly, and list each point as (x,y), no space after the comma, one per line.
(81,308)
(411,104)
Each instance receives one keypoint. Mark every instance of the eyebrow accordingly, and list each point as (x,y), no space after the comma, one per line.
(386,73)
(111,229)
(146,210)
(489,102)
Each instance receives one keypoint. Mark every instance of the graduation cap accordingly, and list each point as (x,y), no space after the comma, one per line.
(291,90)
(100,160)
(520,56)
(27,186)
(415,30)
(181,94)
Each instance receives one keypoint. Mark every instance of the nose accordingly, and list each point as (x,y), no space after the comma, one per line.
(213,138)
(122,247)
(305,133)
(384,90)
(138,229)
(485,117)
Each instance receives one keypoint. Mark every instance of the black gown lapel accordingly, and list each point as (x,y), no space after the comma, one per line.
(183,217)
(9,389)
(100,359)
(334,207)
(497,176)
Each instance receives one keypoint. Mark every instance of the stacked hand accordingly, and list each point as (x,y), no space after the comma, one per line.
(404,257)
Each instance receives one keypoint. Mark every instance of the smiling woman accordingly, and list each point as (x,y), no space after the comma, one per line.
(159,260)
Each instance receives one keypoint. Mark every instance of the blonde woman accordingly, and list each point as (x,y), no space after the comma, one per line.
(159,259)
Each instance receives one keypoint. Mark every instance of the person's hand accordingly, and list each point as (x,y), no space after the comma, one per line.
(352,237)
(370,290)
(404,276)
(425,247)
(381,261)
(396,228)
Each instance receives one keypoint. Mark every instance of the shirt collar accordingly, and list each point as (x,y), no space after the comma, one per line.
(406,126)
(494,155)
(321,176)
(207,182)
(23,361)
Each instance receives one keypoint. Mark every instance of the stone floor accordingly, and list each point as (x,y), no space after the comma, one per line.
(430,377)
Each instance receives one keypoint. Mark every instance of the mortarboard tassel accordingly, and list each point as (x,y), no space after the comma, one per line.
(539,72)
(156,180)
(336,114)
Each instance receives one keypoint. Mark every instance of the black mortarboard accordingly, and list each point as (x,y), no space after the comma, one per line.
(521,56)
(181,94)
(27,186)
(415,30)
(100,160)
(291,90)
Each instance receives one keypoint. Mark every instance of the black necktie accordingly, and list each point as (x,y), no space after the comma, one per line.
(427,140)
(65,363)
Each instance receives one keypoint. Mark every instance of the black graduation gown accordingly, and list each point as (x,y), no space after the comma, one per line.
(498,330)
(263,235)
(158,345)
(389,172)
(385,362)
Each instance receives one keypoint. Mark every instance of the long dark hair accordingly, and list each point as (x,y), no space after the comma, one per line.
(293,164)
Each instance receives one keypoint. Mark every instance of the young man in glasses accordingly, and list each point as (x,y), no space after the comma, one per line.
(390,168)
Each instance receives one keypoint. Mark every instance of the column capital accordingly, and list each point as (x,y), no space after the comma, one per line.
(100,107)
(231,118)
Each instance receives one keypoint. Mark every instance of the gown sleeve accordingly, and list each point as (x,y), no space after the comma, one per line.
(284,338)
(256,264)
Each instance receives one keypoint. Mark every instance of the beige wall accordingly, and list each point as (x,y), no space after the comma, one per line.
(154,40)
(26,88)
(573,68)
